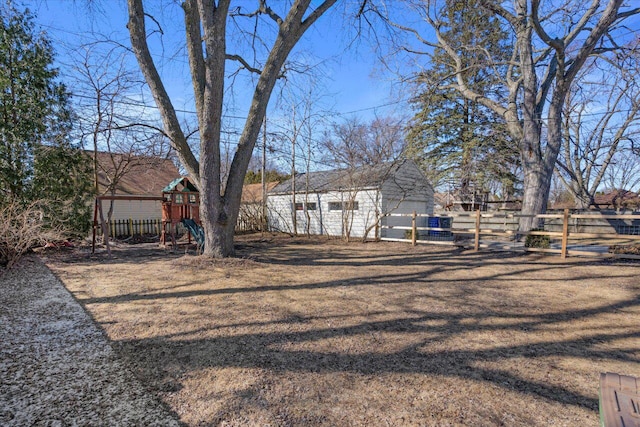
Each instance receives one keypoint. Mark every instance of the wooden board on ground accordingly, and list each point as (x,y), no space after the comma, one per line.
(619,401)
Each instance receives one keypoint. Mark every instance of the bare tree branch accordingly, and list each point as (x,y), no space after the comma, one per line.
(244,63)
(138,36)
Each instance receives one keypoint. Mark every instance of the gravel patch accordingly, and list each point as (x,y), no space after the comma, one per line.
(56,366)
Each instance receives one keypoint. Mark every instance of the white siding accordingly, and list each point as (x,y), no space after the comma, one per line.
(408,183)
(404,207)
(404,191)
(134,209)
(322,219)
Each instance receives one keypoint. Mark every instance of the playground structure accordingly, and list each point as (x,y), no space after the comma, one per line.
(181,204)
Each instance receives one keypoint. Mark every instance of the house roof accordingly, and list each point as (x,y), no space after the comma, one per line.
(136,175)
(617,198)
(252,193)
(370,176)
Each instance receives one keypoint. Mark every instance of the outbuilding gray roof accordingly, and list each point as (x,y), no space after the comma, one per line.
(342,179)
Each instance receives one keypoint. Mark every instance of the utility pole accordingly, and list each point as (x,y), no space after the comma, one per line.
(293,173)
(263,225)
(293,186)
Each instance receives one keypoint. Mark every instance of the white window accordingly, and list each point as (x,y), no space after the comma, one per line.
(347,206)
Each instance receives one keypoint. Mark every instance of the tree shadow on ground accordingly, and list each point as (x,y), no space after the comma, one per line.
(433,263)
(289,343)
(264,350)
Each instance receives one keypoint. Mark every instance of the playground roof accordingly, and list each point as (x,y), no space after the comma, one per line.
(184,181)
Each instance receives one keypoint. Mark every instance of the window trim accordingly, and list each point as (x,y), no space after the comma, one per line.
(335,206)
(351,205)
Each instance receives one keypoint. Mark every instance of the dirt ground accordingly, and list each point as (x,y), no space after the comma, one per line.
(299,332)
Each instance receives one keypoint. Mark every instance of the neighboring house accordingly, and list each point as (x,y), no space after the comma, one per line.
(140,176)
(348,202)
(617,199)
(250,214)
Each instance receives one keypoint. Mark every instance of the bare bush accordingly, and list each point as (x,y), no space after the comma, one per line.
(250,217)
(22,228)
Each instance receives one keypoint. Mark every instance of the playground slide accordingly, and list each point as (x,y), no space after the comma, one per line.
(196,231)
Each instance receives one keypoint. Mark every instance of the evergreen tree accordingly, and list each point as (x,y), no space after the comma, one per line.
(271,175)
(37,160)
(451,137)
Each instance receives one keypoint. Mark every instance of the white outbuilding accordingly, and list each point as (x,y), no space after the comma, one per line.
(351,202)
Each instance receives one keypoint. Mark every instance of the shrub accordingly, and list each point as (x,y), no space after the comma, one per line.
(537,241)
(23,228)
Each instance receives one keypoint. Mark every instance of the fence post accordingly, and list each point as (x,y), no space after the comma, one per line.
(565,233)
(413,229)
(131,227)
(476,245)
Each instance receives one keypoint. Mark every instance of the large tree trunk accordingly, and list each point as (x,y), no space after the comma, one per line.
(205,24)
(583,200)
(538,167)
(536,177)
(218,238)
(538,159)
(534,198)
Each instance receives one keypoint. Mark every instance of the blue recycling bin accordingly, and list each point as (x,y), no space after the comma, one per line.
(439,222)
(445,222)
(434,221)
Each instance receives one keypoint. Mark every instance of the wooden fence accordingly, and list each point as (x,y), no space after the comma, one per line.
(120,228)
(123,228)
(565,233)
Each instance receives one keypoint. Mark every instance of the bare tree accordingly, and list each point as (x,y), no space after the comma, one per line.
(364,151)
(354,143)
(623,172)
(114,128)
(301,105)
(551,44)
(601,118)
(206,23)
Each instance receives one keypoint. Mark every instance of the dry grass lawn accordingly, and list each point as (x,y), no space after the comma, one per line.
(321,333)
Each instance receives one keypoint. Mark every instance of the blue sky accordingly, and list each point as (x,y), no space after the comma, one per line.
(351,75)
(350,80)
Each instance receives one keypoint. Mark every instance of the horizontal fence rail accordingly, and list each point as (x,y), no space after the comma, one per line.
(123,228)
(565,233)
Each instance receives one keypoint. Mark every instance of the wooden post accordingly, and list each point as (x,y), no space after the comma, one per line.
(413,229)
(174,231)
(476,245)
(95,226)
(130,227)
(105,231)
(565,233)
